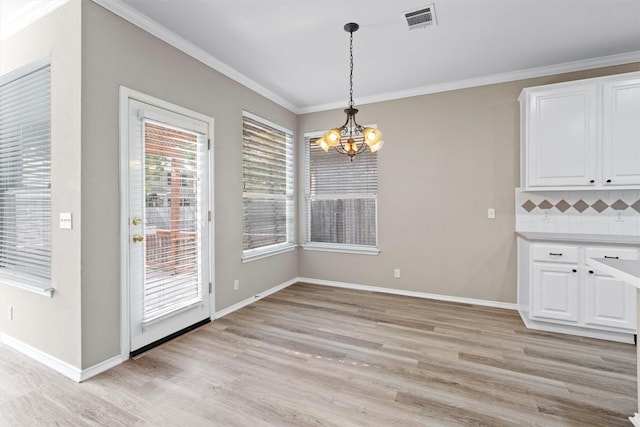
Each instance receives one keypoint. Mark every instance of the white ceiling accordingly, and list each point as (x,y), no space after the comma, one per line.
(296,51)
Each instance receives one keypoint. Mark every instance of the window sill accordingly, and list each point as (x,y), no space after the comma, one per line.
(38,288)
(345,249)
(264,253)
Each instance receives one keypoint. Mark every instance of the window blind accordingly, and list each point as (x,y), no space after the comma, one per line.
(342,197)
(267,173)
(25,176)
(172,165)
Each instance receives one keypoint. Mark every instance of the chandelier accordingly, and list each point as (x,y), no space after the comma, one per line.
(351,138)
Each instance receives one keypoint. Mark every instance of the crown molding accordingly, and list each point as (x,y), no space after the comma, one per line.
(568,67)
(142,21)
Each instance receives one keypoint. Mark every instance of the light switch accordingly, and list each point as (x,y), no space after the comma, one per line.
(491,213)
(65,221)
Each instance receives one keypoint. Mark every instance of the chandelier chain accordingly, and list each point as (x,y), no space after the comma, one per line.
(351,70)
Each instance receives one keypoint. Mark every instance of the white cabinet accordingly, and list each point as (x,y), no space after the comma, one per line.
(558,292)
(581,134)
(555,292)
(621,132)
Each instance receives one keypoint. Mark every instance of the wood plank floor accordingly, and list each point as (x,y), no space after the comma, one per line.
(312,355)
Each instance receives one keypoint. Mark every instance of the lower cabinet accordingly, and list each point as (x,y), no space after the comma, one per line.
(555,292)
(558,292)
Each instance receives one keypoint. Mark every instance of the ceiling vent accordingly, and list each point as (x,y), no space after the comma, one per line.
(421,18)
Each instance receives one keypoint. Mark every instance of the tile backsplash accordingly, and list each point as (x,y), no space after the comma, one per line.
(589,212)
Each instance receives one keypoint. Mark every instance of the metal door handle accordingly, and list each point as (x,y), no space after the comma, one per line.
(137,238)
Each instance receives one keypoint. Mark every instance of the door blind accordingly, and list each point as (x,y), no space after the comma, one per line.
(267,172)
(25,176)
(342,197)
(172,215)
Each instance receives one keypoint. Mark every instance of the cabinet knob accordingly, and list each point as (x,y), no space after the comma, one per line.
(592,181)
(590,271)
(608,181)
(574,270)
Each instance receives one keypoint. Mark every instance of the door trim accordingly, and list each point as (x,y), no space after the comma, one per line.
(125,94)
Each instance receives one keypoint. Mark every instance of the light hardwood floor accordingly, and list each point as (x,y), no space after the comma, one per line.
(312,355)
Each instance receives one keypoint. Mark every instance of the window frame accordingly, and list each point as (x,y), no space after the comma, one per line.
(18,279)
(290,197)
(323,246)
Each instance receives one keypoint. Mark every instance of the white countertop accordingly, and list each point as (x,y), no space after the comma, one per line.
(580,238)
(627,270)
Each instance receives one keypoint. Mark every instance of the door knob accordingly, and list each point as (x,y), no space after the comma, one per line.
(137,221)
(137,238)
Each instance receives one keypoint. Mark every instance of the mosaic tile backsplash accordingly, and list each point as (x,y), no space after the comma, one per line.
(589,212)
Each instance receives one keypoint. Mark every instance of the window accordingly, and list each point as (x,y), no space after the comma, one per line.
(267,198)
(341,200)
(25,179)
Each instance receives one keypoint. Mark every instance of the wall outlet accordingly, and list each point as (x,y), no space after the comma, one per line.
(619,216)
(10,313)
(236,285)
(545,214)
(396,273)
(491,213)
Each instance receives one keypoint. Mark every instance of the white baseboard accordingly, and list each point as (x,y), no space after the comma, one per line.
(481,302)
(100,367)
(254,298)
(56,364)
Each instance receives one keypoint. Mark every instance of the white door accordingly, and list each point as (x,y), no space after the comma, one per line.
(609,302)
(554,292)
(561,148)
(168,223)
(621,133)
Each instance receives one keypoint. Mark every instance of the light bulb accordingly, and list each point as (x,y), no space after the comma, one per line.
(371,136)
(332,137)
(375,147)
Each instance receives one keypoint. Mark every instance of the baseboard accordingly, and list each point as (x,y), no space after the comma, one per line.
(472,301)
(46,359)
(254,298)
(100,368)
(56,364)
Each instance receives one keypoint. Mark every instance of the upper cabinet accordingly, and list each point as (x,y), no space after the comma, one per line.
(581,135)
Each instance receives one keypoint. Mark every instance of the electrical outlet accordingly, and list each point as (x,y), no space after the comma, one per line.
(10,313)
(491,213)
(545,214)
(236,285)
(619,216)
(396,273)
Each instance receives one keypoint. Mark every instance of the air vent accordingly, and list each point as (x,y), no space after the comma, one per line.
(421,18)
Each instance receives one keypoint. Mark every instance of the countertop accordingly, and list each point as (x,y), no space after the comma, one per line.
(627,270)
(580,238)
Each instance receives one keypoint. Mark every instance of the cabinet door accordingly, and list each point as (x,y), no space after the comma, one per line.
(609,302)
(554,292)
(621,132)
(561,136)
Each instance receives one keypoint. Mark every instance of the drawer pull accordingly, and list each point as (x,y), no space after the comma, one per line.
(590,271)
(612,257)
(608,181)
(554,254)
(574,270)
(592,181)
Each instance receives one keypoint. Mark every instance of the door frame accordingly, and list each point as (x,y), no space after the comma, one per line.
(125,94)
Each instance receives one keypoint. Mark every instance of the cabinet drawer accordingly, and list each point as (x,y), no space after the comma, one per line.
(556,253)
(620,253)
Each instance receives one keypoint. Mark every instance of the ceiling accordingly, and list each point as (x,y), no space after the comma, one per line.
(297,53)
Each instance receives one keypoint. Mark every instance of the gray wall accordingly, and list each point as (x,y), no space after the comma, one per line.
(52,325)
(114,53)
(447,158)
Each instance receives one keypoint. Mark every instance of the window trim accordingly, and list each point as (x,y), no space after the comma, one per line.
(322,246)
(16,279)
(255,254)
